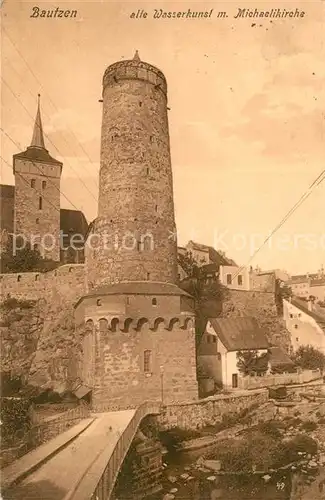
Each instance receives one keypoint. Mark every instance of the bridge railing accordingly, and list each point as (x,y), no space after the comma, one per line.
(98,481)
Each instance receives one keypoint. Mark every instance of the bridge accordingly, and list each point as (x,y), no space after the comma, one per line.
(81,464)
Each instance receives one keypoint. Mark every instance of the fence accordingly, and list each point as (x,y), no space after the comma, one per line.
(26,440)
(99,481)
(280,379)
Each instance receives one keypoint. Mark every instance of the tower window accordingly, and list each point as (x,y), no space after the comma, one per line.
(18,277)
(32,183)
(40,203)
(43,184)
(147,361)
(147,171)
(156,208)
(140,104)
(154,301)
(36,277)
(128,300)
(99,302)
(151,138)
(148,276)
(37,220)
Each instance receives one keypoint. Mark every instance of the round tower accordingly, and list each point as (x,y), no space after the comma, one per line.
(134,235)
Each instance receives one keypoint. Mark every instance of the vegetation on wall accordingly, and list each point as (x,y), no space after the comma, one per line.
(25,259)
(203,285)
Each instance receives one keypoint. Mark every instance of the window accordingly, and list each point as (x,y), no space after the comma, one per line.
(36,277)
(147,171)
(19,278)
(296,326)
(156,208)
(297,339)
(99,302)
(128,300)
(40,203)
(214,339)
(148,276)
(140,104)
(240,280)
(147,359)
(43,184)
(32,183)
(37,220)
(154,301)
(291,315)
(228,279)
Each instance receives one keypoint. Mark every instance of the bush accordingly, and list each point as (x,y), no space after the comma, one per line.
(309,426)
(173,437)
(288,452)
(12,303)
(15,417)
(270,428)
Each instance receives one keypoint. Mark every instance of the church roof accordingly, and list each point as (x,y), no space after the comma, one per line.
(140,288)
(73,221)
(37,151)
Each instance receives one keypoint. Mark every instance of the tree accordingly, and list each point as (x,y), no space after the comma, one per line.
(25,259)
(250,362)
(308,357)
(282,291)
(204,286)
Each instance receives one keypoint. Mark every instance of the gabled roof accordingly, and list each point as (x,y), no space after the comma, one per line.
(73,221)
(318,317)
(238,334)
(214,256)
(278,357)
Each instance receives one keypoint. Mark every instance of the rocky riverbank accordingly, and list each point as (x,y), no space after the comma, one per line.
(281,457)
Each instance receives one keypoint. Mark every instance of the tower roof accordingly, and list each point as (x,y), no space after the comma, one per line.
(38,137)
(136,56)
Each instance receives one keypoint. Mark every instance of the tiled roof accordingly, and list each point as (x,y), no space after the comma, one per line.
(37,154)
(73,221)
(239,333)
(300,304)
(278,357)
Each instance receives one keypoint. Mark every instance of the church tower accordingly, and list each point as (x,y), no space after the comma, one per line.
(135,229)
(37,195)
(138,326)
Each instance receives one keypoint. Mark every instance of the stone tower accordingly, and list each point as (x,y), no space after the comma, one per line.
(135,207)
(37,195)
(138,326)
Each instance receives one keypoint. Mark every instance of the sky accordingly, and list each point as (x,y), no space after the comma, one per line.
(246,118)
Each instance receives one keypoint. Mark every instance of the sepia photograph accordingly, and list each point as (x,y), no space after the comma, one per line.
(162,250)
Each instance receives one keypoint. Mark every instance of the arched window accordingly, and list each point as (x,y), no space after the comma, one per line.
(36,277)
(43,184)
(99,302)
(40,203)
(89,325)
(147,361)
(103,325)
(32,183)
(18,277)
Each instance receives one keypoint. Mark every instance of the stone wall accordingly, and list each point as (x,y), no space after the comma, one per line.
(195,415)
(67,282)
(263,306)
(42,343)
(121,380)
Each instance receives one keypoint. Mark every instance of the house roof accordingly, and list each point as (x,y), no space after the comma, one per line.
(73,221)
(237,334)
(214,256)
(318,282)
(317,316)
(278,357)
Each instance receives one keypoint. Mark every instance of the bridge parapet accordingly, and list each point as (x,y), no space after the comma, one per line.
(99,479)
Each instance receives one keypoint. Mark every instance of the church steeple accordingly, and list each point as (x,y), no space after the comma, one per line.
(38,137)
